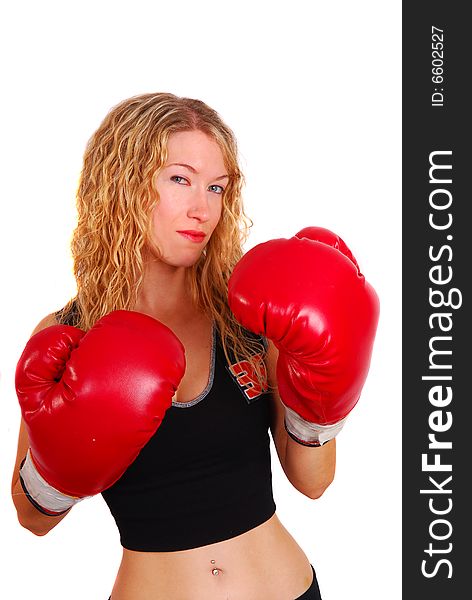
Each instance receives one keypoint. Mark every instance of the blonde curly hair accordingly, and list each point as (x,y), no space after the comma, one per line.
(115,200)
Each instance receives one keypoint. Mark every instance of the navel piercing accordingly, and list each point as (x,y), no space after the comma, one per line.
(215,571)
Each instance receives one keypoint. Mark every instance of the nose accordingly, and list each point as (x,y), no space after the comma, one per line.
(198,207)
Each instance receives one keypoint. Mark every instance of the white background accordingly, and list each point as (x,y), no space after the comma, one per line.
(312,90)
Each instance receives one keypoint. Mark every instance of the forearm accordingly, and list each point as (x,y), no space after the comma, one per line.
(28,516)
(310,469)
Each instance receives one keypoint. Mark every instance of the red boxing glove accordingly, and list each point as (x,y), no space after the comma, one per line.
(91,401)
(309,297)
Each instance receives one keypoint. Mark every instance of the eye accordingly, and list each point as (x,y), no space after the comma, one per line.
(218,190)
(174,177)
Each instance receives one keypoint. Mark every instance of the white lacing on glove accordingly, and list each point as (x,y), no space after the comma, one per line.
(307,433)
(43,496)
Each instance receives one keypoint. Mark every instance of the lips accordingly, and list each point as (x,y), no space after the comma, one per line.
(193,235)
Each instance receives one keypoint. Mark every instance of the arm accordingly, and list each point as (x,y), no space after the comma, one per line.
(85,423)
(308,296)
(28,516)
(309,469)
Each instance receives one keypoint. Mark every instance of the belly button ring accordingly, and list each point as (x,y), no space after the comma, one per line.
(214,571)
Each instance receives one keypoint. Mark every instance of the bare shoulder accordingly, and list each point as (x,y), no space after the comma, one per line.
(47,321)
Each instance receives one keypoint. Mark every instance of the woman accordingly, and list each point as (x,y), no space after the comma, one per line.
(160,230)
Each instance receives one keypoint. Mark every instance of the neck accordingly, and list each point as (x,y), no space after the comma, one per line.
(164,293)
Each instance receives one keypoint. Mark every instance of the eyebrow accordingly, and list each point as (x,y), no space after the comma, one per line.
(190,168)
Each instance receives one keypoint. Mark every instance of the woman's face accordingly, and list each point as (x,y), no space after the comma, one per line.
(190,188)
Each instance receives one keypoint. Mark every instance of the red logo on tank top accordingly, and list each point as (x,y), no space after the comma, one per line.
(245,375)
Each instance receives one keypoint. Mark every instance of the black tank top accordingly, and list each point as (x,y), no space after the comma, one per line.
(205,476)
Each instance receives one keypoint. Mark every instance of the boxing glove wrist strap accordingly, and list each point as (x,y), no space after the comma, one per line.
(307,433)
(43,496)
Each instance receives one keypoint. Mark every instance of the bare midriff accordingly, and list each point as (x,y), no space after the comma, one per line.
(263,564)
